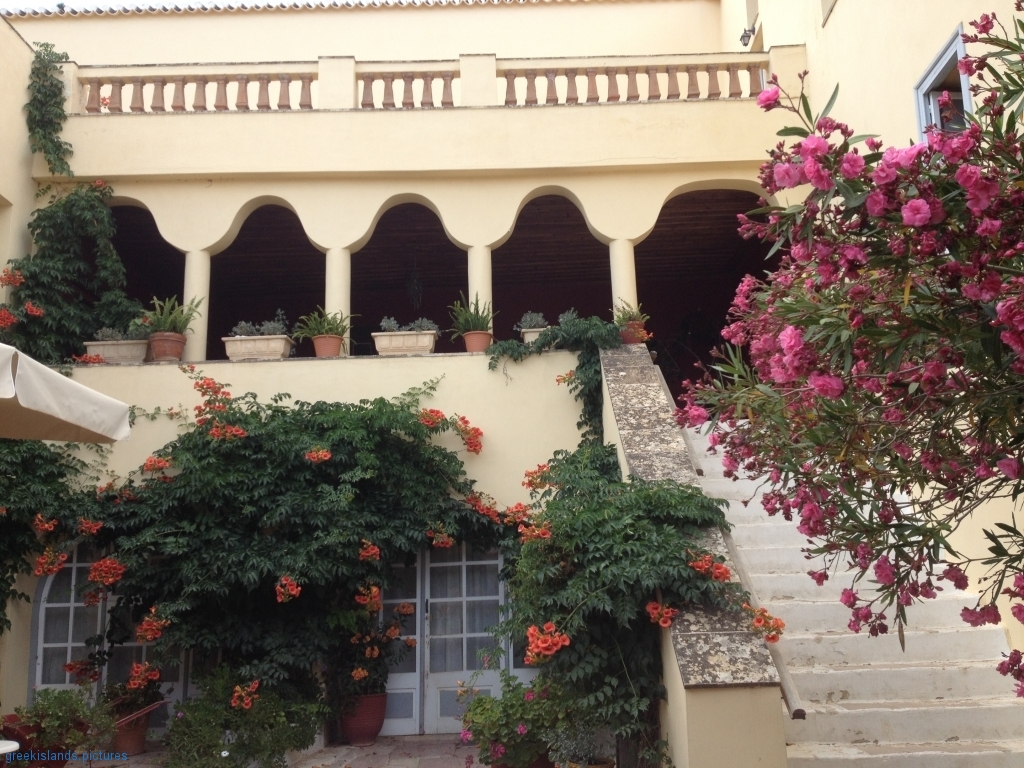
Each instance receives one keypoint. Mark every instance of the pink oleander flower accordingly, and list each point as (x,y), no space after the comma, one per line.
(876,203)
(989,227)
(988,614)
(826,385)
(820,577)
(1018,612)
(813,146)
(848,598)
(789,175)
(1009,467)
(916,213)
(884,571)
(852,165)
(768,98)
(883,173)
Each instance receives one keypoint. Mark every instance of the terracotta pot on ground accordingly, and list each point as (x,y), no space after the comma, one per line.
(633,332)
(477,341)
(361,726)
(165,347)
(131,736)
(328,346)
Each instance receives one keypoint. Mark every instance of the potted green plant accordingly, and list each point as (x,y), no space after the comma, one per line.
(416,338)
(472,321)
(168,323)
(120,347)
(530,326)
(132,703)
(268,340)
(574,744)
(327,332)
(511,731)
(58,721)
(368,649)
(631,323)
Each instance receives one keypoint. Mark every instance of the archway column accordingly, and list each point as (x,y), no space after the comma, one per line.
(197,286)
(479,274)
(338,284)
(623,270)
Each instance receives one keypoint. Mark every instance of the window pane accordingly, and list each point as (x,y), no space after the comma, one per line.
(446,618)
(473,647)
(170,670)
(403,585)
(481,615)
(60,587)
(482,554)
(400,705)
(446,554)
(481,580)
(446,582)
(446,654)
(56,626)
(54,660)
(120,664)
(408,664)
(85,623)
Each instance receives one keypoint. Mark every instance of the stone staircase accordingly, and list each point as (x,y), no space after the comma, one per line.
(941,704)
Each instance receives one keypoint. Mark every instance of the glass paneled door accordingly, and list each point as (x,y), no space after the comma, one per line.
(463,595)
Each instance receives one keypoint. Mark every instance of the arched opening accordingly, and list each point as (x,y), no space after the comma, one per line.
(270,265)
(409,269)
(687,271)
(551,263)
(153,266)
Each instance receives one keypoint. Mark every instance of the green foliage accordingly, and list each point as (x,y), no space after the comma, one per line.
(468,316)
(66,721)
(624,312)
(420,324)
(362,665)
(320,323)
(276,327)
(614,547)
(208,731)
(45,113)
(584,336)
(168,316)
(75,278)
(531,320)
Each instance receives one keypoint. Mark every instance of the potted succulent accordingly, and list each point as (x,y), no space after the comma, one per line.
(530,326)
(416,338)
(121,347)
(326,330)
(131,704)
(371,647)
(268,340)
(57,722)
(472,322)
(168,323)
(631,323)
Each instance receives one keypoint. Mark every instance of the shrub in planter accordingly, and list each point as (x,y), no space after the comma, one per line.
(327,332)
(268,340)
(472,321)
(416,338)
(168,323)
(58,721)
(117,346)
(631,323)
(575,744)
(238,723)
(530,326)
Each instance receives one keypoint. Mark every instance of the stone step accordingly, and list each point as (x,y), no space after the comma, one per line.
(898,682)
(740,490)
(831,615)
(942,754)
(797,586)
(778,560)
(840,649)
(768,535)
(909,722)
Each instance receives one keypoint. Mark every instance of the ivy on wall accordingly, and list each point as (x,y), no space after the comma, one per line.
(45,109)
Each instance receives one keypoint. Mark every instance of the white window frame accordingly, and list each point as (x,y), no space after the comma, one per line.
(951,52)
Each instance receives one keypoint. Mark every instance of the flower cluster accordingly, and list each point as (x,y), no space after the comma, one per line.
(221,431)
(369,598)
(471,436)
(706,564)
(32,310)
(359,674)
(531,532)
(286,589)
(11,277)
(431,418)
(106,571)
(244,696)
(660,614)
(87,359)
(94,596)
(49,562)
(7,319)
(485,505)
(142,675)
(565,378)
(83,670)
(536,479)
(42,525)
(542,644)
(89,527)
(369,551)
(155,464)
(318,455)
(440,538)
(764,624)
(151,628)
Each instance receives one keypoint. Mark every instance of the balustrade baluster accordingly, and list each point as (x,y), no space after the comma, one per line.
(511,100)
(178,97)
(157,104)
(220,100)
(92,104)
(116,83)
(427,97)
(242,97)
(284,95)
(692,86)
(734,81)
(389,93)
(632,92)
(552,94)
(571,97)
(673,82)
(367,102)
(713,89)
(263,96)
(531,86)
(199,98)
(754,70)
(653,89)
(407,102)
(613,84)
(306,92)
(446,93)
(138,105)
(592,95)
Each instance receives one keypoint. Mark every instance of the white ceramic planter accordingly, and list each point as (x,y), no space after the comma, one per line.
(531,334)
(257,347)
(118,352)
(405,342)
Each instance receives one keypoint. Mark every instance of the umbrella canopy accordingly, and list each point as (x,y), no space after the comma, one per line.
(37,403)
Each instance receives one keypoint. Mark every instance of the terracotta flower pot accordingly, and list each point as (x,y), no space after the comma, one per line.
(12,729)
(477,341)
(328,346)
(633,332)
(361,726)
(166,347)
(131,737)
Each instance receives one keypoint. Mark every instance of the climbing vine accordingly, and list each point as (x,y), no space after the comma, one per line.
(45,109)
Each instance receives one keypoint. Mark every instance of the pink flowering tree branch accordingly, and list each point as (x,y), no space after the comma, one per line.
(875,381)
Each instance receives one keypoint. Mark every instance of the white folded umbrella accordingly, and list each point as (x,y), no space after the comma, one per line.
(37,403)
